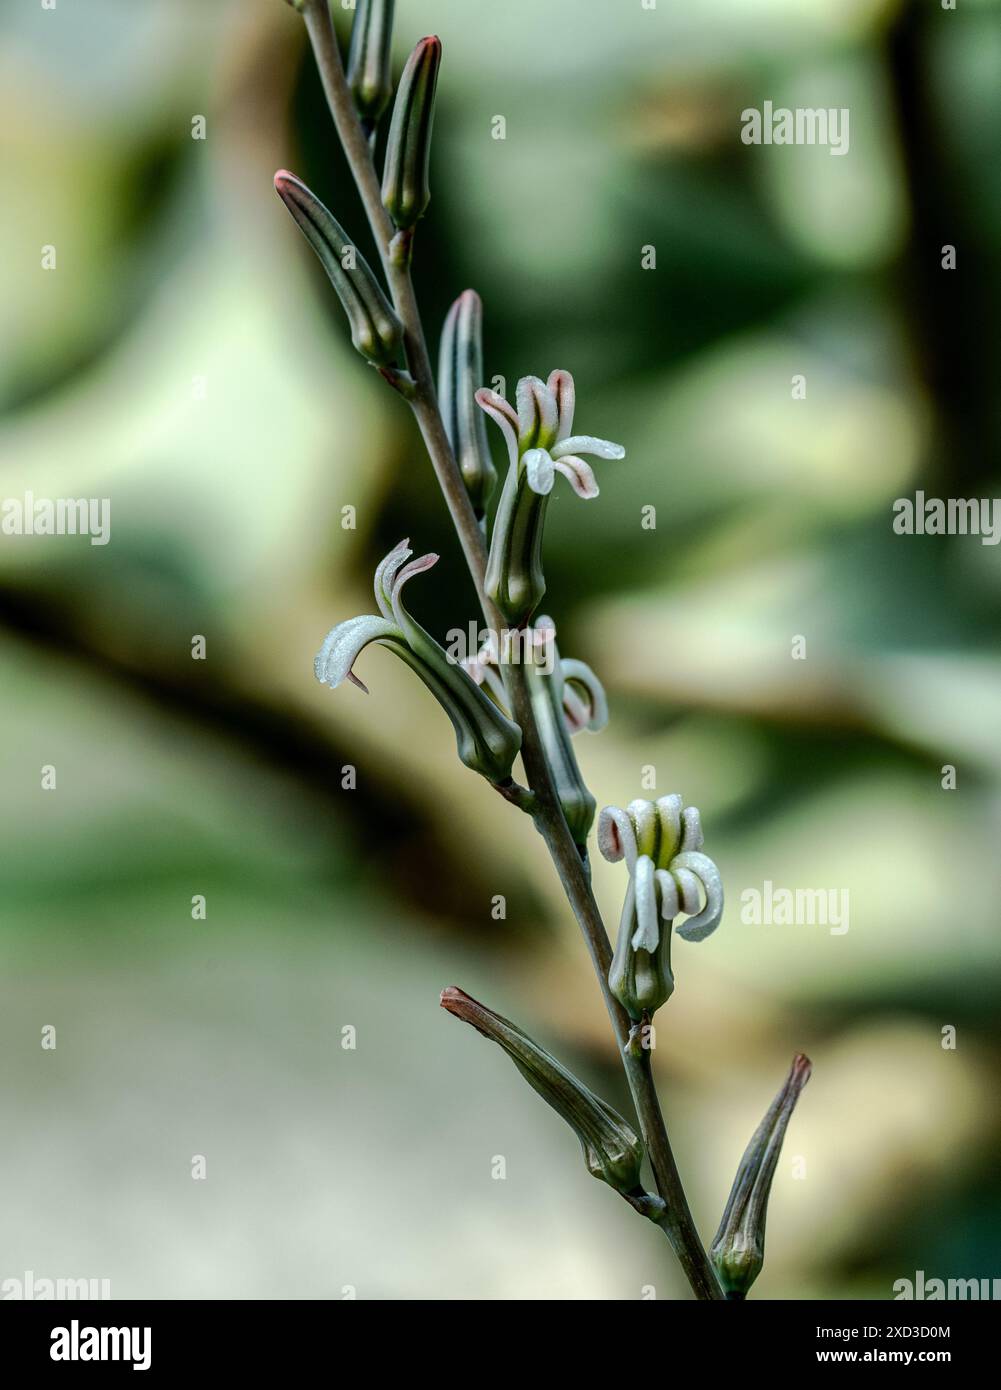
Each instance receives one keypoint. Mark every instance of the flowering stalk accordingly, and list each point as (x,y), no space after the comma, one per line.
(509,585)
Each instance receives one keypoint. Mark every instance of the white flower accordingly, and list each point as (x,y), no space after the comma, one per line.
(661,843)
(538,434)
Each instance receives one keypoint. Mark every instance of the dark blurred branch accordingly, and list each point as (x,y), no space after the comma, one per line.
(949,313)
(379,810)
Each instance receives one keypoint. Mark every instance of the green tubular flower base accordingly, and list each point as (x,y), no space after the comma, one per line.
(514,581)
(547,692)
(640,976)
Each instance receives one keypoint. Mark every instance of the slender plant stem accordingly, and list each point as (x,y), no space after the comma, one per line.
(676,1221)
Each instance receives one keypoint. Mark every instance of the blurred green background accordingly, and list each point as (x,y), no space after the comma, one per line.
(187,360)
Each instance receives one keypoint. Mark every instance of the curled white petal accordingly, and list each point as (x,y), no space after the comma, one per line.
(543,637)
(688,888)
(616,837)
(669,815)
(579,474)
(493,401)
(564,393)
(385,574)
(579,674)
(692,837)
(669,903)
(706,921)
(588,444)
(647,933)
(418,566)
(644,818)
(342,645)
(538,470)
(538,416)
(502,414)
(576,711)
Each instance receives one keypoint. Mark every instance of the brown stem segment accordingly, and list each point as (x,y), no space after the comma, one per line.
(677,1221)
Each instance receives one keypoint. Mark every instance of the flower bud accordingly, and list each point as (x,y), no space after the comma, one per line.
(405,189)
(375,330)
(460,376)
(486,740)
(738,1249)
(612,1151)
(368,72)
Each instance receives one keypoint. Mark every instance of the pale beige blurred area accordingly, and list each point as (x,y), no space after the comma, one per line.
(770,648)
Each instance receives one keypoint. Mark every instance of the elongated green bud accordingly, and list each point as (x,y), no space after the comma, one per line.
(460,376)
(375,330)
(405,189)
(612,1152)
(369,75)
(738,1249)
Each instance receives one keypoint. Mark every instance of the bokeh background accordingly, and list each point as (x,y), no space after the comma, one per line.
(187,359)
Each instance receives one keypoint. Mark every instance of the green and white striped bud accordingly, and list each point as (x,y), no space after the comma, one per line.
(612,1151)
(460,376)
(369,75)
(550,702)
(738,1249)
(376,332)
(405,188)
